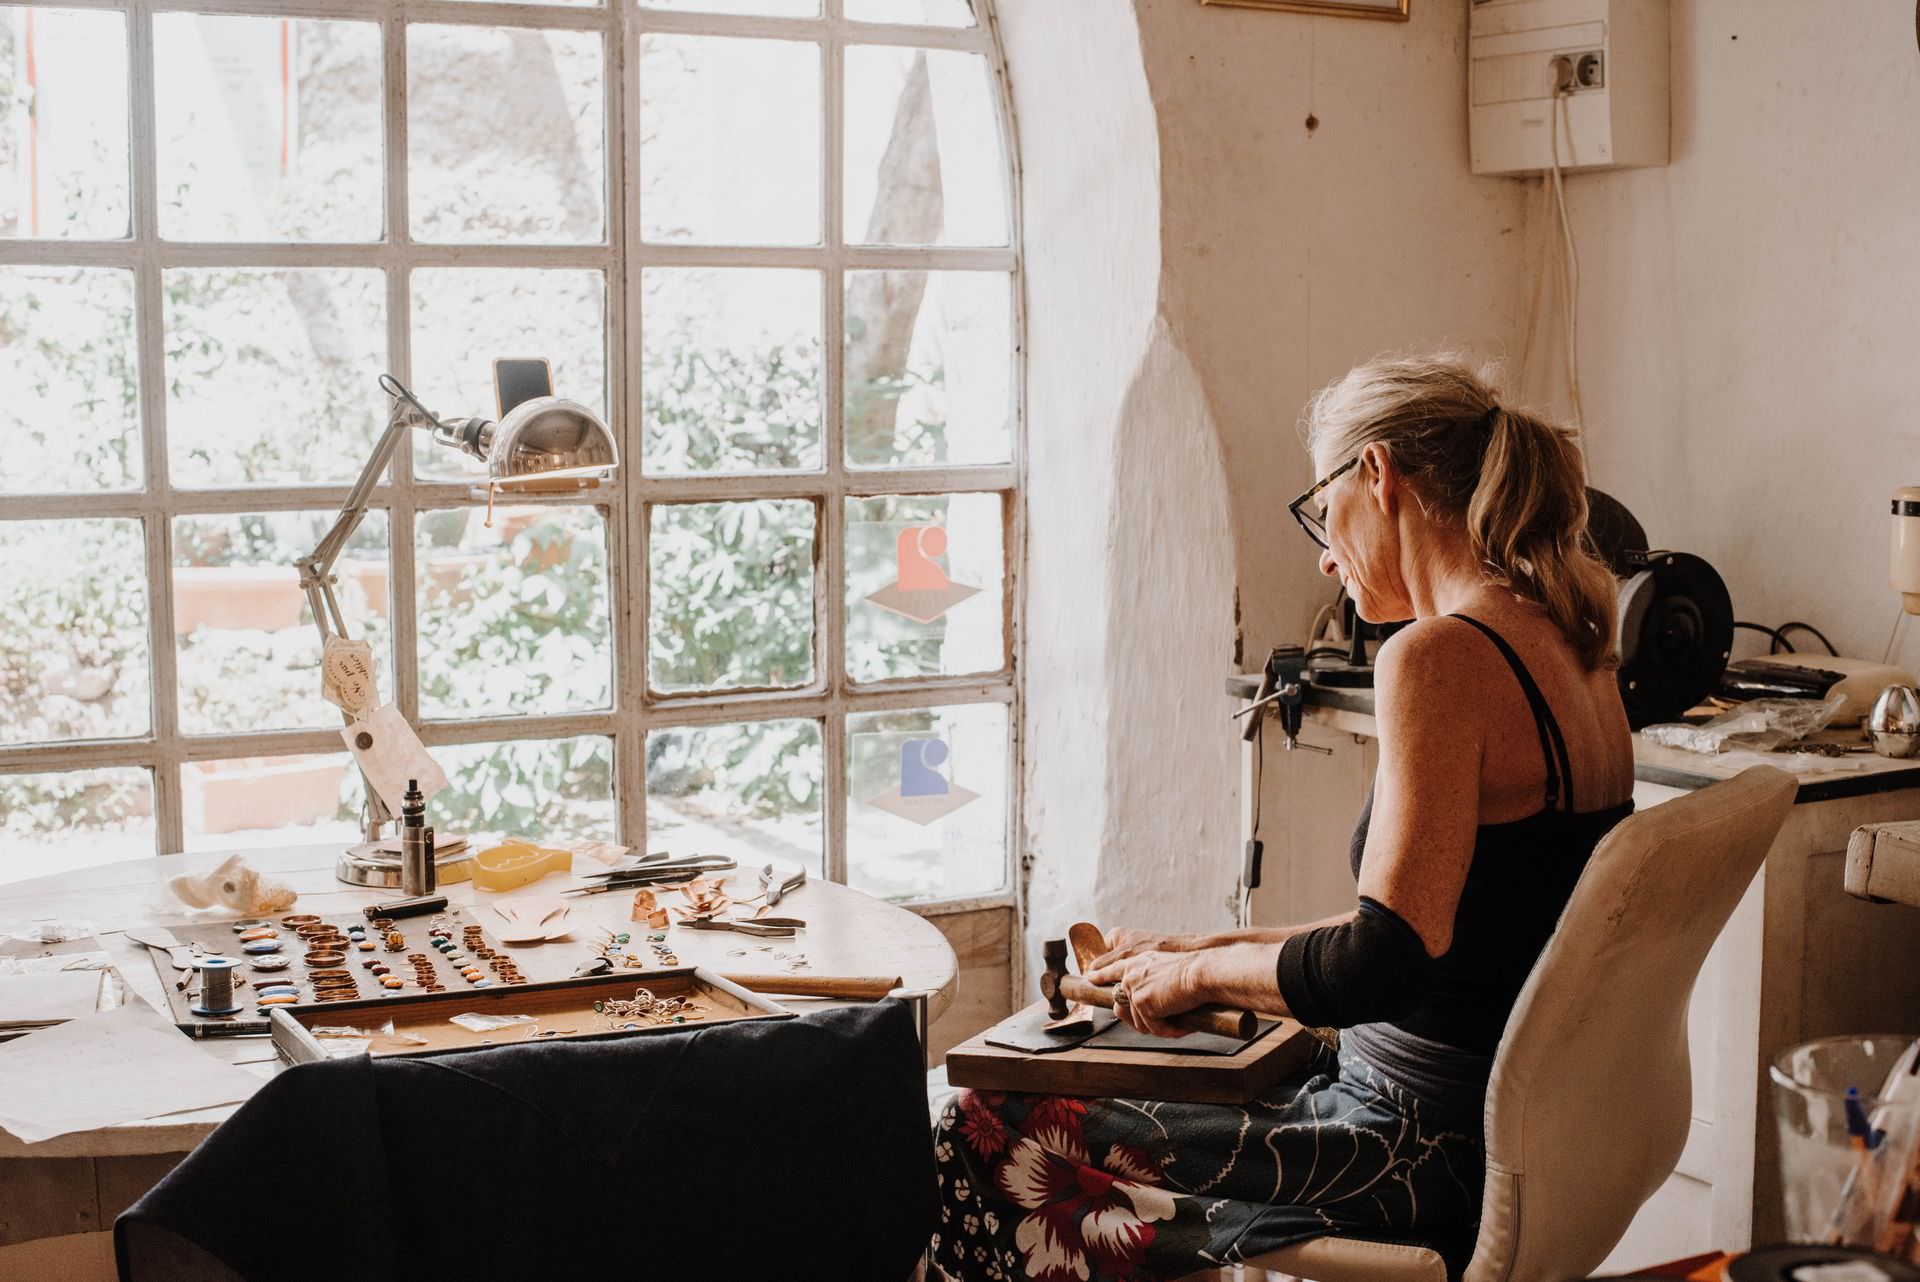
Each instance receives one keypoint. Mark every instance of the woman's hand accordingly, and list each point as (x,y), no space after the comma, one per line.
(1158,985)
(1128,942)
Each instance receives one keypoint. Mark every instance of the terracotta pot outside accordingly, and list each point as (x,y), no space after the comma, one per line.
(266,597)
(260,792)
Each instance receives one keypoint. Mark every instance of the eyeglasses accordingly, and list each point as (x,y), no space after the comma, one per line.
(1311,522)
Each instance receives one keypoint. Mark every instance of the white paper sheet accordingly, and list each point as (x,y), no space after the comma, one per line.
(120,1065)
(49,998)
(392,755)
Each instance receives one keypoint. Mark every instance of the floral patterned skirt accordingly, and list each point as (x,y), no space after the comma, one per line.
(1059,1188)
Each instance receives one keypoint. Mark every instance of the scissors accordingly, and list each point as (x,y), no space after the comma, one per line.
(652,871)
(766,927)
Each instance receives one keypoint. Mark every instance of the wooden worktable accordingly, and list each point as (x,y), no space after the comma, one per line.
(848,933)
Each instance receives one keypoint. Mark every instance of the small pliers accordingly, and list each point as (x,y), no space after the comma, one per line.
(773,887)
(767,927)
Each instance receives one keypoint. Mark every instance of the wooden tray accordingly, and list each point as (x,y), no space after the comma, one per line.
(561,1004)
(219,938)
(1092,1071)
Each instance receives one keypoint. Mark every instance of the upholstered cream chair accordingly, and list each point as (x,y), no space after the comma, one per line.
(1592,1087)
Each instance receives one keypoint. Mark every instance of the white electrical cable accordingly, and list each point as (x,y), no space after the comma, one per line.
(1539,280)
(1570,279)
(1893,637)
(1323,616)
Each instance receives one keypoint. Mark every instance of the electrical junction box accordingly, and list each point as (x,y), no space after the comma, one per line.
(1613,114)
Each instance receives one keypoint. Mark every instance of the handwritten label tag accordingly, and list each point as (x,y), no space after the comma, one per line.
(346,676)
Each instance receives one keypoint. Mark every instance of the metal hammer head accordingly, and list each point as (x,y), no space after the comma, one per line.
(1054,954)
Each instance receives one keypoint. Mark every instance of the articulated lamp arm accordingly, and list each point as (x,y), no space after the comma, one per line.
(470,436)
(316,569)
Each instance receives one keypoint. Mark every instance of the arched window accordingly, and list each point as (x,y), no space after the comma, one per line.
(771,240)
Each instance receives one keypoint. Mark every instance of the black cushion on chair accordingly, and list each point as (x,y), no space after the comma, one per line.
(800,1146)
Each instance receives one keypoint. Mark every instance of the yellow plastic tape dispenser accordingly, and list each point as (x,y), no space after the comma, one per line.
(515,863)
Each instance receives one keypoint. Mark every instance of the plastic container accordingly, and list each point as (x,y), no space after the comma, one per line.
(1836,1185)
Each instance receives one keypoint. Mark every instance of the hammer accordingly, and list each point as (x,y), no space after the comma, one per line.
(1059,988)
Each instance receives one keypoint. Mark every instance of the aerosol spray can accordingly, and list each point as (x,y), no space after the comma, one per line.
(416,843)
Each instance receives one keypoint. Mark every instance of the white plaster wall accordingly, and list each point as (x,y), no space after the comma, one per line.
(1170,857)
(1090,193)
(1198,262)
(1291,254)
(1749,312)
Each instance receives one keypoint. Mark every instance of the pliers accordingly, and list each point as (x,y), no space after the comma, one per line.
(766,927)
(773,888)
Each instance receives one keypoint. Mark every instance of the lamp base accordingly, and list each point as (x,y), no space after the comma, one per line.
(370,864)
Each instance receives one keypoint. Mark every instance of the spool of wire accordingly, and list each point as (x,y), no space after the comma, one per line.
(216,986)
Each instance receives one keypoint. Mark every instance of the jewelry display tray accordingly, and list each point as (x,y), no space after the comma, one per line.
(564,1005)
(219,937)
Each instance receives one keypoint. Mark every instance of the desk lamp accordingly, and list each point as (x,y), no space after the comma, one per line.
(544,444)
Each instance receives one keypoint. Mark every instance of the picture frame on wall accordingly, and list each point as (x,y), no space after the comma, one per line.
(1390,10)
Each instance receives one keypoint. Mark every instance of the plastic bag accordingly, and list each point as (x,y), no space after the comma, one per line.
(53,932)
(364,1036)
(474,1022)
(1759,724)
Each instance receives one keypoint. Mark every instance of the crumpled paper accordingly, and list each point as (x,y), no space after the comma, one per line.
(234,885)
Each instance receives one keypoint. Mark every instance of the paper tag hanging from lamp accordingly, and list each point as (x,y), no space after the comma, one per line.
(346,676)
(390,754)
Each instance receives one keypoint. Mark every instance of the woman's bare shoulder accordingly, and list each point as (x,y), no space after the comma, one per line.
(1434,667)
(1439,647)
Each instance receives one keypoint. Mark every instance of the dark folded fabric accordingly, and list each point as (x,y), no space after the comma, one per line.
(797,1149)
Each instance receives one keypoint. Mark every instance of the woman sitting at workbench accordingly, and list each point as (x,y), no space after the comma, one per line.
(1504,759)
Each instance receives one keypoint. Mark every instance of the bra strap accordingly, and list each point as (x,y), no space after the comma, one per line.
(1553,746)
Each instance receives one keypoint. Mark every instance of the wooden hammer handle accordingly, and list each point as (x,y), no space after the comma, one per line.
(1237,1024)
(872,987)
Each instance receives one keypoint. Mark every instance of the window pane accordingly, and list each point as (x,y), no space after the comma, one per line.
(923,149)
(63,123)
(925,586)
(249,650)
(268,128)
(513,618)
(732,599)
(932,13)
(730,377)
(273,376)
(245,803)
(729,140)
(751,791)
(540,788)
(466,317)
(927,803)
(929,373)
(52,823)
(69,394)
(506,135)
(73,630)
(774,8)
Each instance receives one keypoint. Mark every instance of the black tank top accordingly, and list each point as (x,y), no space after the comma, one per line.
(1522,874)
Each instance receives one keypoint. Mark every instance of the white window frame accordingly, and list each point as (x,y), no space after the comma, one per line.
(626,503)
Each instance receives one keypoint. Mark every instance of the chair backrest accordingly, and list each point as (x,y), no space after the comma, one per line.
(1592,1089)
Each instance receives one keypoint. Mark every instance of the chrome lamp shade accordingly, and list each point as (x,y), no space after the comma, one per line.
(550,438)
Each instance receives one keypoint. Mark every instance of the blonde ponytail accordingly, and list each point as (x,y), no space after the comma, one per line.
(1527,521)
(1514,481)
